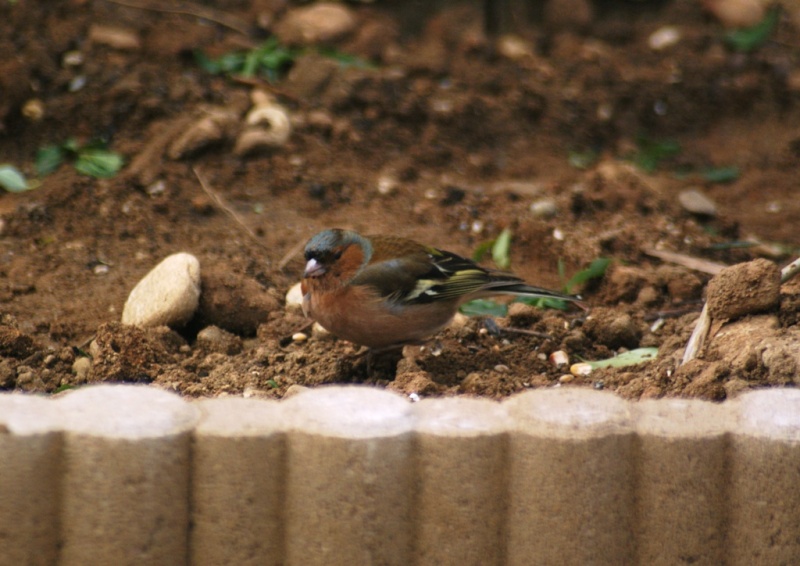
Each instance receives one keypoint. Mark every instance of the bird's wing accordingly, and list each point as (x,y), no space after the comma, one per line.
(407,272)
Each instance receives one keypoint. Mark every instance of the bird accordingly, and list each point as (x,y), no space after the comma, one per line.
(385,292)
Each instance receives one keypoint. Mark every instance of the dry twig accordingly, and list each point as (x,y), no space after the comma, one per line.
(222,205)
(696,263)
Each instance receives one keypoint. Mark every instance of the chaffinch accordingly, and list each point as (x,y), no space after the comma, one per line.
(385,291)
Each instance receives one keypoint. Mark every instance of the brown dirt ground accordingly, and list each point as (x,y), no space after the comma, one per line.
(466,138)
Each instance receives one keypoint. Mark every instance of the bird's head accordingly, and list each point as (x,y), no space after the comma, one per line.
(336,253)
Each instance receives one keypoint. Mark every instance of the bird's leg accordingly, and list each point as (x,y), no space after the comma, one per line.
(374,355)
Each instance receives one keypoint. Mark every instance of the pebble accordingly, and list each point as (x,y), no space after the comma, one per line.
(696,202)
(320,332)
(294,297)
(33,110)
(215,339)
(387,185)
(81,368)
(544,208)
(322,22)
(663,38)
(514,47)
(736,13)
(559,358)
(299,337)
(168,295)
(580,369)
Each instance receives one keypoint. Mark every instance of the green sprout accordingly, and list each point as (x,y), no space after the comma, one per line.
(596,270)
(13,181)
(484,307)
(750,39)
(501,249)
(650,153)
(721,174)
(92,159)
(270,60)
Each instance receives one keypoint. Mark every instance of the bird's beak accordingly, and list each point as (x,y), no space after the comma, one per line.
(314,268)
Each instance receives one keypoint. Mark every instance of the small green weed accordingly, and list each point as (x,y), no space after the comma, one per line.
(92,159)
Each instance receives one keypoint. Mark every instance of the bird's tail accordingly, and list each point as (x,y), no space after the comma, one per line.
(525,290)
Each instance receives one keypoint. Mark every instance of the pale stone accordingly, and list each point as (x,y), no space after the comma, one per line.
(168,295)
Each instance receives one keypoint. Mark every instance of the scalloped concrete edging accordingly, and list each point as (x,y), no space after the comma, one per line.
(116,474)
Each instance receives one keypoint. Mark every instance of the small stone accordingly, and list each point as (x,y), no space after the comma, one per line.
(294,297)
(559,358)
(736,13)
(299,337)
(544,208)
(696,202)
(502,368)
(72,59)
(663,38)
(514,47)
(215,339)
(81,368)
(322,22)
(33,110)
(319,332)
(387,185)
(168,295)
(566,378)
(580,369)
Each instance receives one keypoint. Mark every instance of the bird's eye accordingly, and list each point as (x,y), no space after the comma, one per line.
(337,254)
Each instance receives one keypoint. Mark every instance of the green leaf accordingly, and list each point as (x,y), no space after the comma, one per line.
(721,174)
(630,358)
(483,307)
(595,270)
(272,383)
(12,180)
(228,63)
(99,163)
(543,302)
(651,153)
(48,159)
(345,59)
(270,59)
(501,249)
(750,39)
(481,250)
(71,146)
